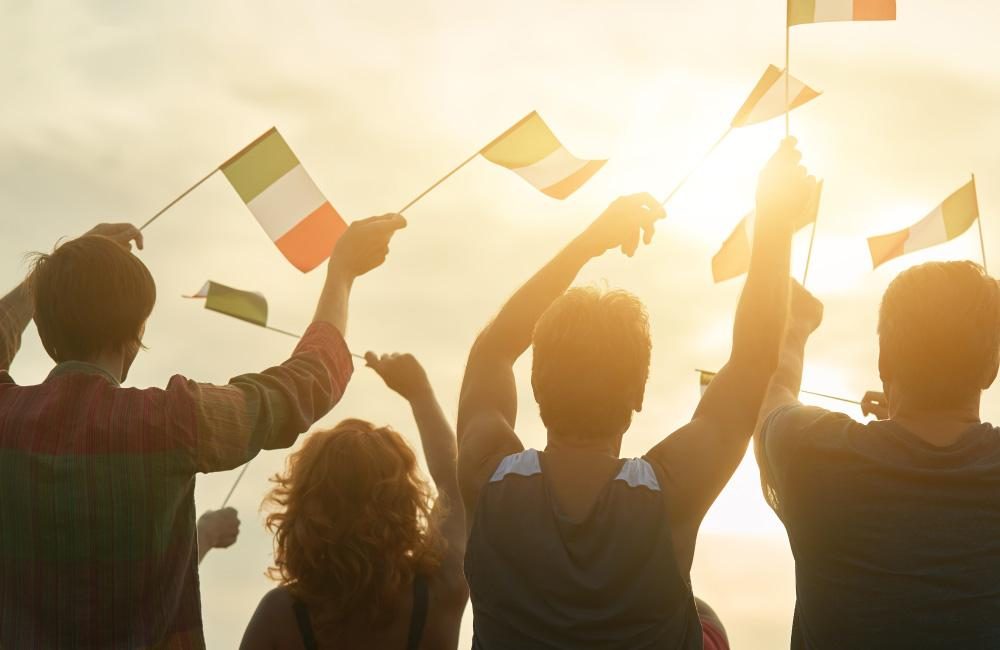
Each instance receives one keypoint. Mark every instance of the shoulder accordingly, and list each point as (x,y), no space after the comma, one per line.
(797,427)
(639,473)
(523,463)
(273,621)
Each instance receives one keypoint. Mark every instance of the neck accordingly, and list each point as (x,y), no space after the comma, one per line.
(603,446)
(936,425)
(112,363)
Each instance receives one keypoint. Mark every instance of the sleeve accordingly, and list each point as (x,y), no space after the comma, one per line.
(226,426)
(16,311)
(778,444)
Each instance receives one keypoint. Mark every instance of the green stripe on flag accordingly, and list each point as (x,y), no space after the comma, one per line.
(801,12)
(960,210)
(257,167)
(245,305)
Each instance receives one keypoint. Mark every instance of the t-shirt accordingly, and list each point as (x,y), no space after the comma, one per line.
(896,541)
(541,579)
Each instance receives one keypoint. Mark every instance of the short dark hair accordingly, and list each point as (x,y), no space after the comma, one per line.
(91,295)
(591,361)
(939,331)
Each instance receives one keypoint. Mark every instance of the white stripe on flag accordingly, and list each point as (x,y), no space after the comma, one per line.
(772,103)
(286,202)
(553,168)
(929,231)
(834,10)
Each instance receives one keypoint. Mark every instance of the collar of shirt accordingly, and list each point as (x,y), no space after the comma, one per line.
(67,367)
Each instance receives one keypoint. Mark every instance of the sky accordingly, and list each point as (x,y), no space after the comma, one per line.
(112,109)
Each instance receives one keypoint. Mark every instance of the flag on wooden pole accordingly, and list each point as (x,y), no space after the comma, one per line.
(733,258)
(767,100)
(286,202)
(532,151)
(802,12)
(245,305)
(946,222)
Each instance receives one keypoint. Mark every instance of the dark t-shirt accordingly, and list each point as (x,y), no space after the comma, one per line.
(610,580)
(896,541)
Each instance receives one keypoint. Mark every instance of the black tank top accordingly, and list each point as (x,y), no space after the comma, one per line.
(418,617)
(539,579)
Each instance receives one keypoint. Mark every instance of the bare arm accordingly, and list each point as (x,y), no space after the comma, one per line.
(16,311)
(699,459)
(488,405)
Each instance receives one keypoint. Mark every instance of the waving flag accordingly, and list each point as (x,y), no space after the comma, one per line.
(946,222)
(531,150)
(245,305)
(767,100)
(801,12)
(733,258)
(704,379)
(285,200)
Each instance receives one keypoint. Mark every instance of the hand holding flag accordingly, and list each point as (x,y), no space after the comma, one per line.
(622,224)
(122,234)
(785,188)
(400,372)
(364,245)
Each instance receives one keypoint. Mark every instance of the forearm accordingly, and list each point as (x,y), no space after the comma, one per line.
(436,436)
(787,378)
(16,311)
(333,301)
(203,546)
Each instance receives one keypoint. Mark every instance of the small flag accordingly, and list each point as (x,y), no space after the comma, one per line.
(801,12)
(704,379)
(285,200)
(530,149)
(767,100)
(949,220)
(733,258)
(245,305)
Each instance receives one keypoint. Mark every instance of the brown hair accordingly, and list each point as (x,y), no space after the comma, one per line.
(939,331)
(91,295)
(591,362)
(352,525)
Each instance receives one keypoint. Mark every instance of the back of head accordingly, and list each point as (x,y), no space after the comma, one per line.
(91,296)
(591,363)
(939,333)
(352,524)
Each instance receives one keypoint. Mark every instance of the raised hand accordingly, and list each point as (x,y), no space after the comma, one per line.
(622,224)
(805,311)
(218,528)
(122,234)
(785,189)
(365,244)
(400,372)
(875,403)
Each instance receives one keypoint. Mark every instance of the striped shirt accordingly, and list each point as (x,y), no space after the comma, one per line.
(97,515)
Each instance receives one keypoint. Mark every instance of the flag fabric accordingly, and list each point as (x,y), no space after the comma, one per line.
(767,100)
(704,379)
(801,12)
(286,202)
(531,150)
(947,221)
(733,258)
(245,305)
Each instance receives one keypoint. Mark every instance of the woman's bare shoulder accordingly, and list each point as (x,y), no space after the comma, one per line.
(273,624)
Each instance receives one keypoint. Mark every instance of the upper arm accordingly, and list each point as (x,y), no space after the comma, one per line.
(780,435)
(16,311)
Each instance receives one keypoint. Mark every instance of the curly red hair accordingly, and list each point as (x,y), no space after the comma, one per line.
(352,523)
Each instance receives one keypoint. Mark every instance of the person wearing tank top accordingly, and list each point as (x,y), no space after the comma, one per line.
(895,524)
(366,557)
(572,546)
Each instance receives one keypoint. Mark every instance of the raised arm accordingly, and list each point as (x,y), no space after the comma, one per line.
(404,374)
(698,459)
(488,404)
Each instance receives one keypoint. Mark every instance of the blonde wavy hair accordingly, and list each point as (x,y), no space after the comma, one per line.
(352,524)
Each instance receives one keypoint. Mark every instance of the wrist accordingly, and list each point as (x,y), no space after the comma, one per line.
(581,250)
(338,275)
(420,393)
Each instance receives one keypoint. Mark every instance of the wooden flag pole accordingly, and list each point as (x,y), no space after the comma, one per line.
(788,74)
(809,253)
(439,181)
(979,223)
(235,483)
(697,166)
(174,202)
(807,392)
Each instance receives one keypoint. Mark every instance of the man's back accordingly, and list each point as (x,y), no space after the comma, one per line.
(896,541)
(544,578)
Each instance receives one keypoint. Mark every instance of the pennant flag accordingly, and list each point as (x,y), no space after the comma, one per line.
(801,12)
(245,305)
(767,100)
(704,379)
(733,258)
(530,149)
(285,200)
(949,220)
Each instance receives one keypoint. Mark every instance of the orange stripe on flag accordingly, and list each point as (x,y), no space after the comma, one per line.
(885,247)
(571,183)
(311,241)
(874,9)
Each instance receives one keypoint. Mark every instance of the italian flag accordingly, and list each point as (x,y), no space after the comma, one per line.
(532,151)
(768,98)
(801,12)
(947,221)
(285,200)
(245,305)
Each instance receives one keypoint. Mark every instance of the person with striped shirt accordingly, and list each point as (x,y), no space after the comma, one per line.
(98,545)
